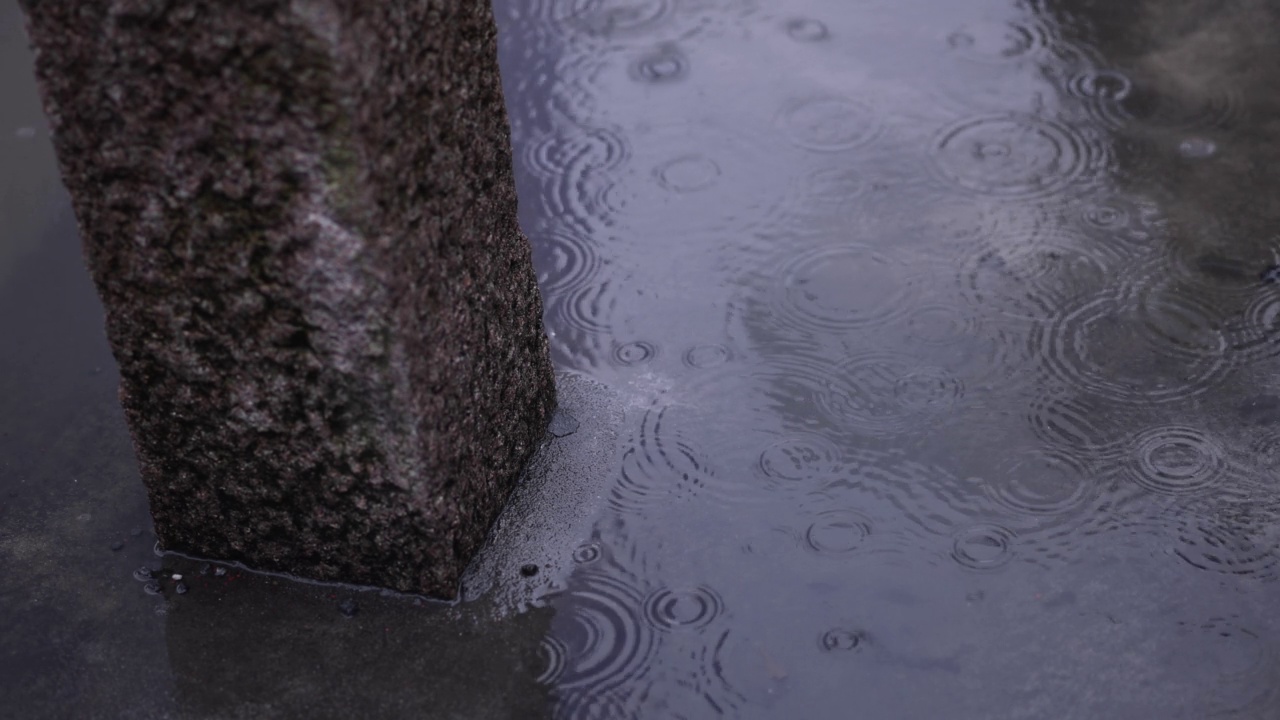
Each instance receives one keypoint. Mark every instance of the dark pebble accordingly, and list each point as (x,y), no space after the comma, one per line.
(117,545)
(180,588)
(529,570)
(143,573)
(349,607)
(151,588)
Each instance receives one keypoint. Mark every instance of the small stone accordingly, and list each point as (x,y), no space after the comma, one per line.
(205,568)
(151,588)
(143,573)
(1271,275)
(176,576)
(219,571)
(529,570)
(180,588)
(135,532)
(117,546)
(349,607)
(562,424)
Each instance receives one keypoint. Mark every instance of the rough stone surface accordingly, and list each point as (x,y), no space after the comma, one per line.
(300,217)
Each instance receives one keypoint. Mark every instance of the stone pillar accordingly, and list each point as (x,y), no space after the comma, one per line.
(301,219)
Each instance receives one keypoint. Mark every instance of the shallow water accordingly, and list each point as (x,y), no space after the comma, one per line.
(941,366)
(949,365)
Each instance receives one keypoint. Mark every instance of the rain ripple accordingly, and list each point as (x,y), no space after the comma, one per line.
(829,124)
(843,287)
(599,644)
(670,609)
(799,460)
(1135,346)
(984,546)
(887,394)
(1176,460)
(1233,540)
(578,170)
(607,19)
(1116,99)
(565,260)
(663,463)
(999,42)
(1042,482)
(1017,156)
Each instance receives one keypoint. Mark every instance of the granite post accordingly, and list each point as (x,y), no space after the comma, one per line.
(301,219)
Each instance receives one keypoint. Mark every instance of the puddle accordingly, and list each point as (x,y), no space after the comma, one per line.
(939,341)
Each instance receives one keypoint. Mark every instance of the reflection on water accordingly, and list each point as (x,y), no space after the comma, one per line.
(949,363)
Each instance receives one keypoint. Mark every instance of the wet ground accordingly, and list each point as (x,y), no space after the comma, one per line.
(919,361)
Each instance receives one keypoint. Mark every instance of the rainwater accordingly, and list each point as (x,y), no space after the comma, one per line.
(943,355)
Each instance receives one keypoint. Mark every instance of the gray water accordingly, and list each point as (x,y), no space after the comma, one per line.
(918,363)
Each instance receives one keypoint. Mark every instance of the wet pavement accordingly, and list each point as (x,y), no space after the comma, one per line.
(918,361)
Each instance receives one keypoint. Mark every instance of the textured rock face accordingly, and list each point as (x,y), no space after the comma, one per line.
(301,219)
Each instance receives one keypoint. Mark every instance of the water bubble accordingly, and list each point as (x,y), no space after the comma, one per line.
(983,547)
(666,64)
(691,609)
(799,459)
(634,353)
(842,287)
(806,30)
(829,124)
(1143,347)
(1041,482)
(586,554)
(1175,459)
(704,357)
(1014,156)
(840,640)
(1197,148)
(837,532)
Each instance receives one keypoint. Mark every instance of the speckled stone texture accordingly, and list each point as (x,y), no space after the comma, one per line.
(301,218)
